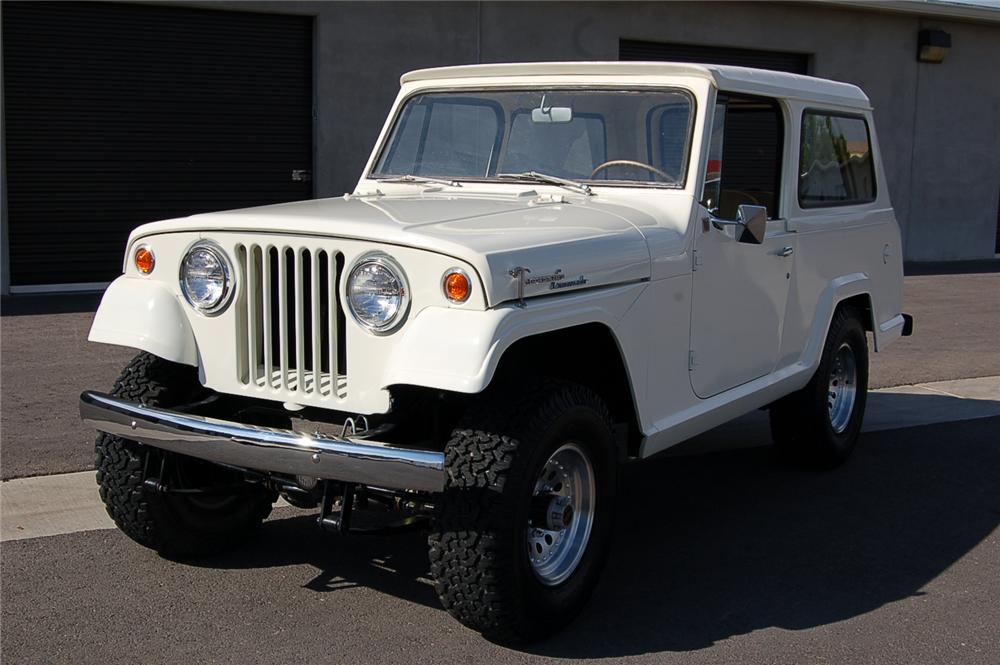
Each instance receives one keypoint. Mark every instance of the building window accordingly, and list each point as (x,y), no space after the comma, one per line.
(835,161)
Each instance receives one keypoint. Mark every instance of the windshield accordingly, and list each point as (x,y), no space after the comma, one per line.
(597,136)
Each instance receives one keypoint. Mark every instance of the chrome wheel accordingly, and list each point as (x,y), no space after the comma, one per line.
(562,514)
(843,388)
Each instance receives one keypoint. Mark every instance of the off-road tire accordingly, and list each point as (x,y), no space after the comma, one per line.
(478,551)
(174,525)
(801,426)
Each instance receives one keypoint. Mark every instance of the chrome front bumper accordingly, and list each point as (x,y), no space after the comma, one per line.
(265,448)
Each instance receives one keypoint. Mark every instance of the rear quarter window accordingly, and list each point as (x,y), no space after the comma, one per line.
(835,161)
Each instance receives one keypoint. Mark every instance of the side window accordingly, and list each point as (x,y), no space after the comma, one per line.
(744,161)
(835,161)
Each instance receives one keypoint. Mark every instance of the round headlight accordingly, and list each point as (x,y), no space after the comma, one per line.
(377,293)
(205,278)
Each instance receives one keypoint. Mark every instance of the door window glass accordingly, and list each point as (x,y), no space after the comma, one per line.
(751,132)
(713,167)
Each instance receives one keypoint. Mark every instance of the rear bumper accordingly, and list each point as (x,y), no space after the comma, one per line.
(264,448)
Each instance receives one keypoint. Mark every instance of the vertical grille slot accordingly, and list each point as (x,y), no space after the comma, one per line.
(292,320)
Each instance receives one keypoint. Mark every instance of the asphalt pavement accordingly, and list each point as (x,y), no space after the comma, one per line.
(718,557)
(956,319)
(721,558)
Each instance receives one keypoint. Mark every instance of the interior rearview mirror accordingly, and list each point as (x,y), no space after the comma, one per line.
(752,224)
(551,113)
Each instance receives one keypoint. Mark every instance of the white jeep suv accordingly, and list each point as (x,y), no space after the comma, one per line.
(545,270)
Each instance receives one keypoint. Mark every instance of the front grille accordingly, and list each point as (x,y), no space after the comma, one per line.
(291,320)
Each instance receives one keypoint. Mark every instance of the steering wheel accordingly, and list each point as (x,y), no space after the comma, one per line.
(632,162)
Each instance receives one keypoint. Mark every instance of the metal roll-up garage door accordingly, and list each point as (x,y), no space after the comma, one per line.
(120,114)
(796,63)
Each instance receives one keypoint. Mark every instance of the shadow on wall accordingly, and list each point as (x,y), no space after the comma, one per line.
(712,546)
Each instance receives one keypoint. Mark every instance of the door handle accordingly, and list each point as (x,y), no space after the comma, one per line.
(787,250)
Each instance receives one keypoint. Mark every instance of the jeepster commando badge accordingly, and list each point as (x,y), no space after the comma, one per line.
(556,280)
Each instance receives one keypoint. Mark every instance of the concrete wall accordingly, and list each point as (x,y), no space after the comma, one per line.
(938,125)
(955,168)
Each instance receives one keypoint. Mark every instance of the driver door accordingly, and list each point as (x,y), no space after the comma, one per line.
(740,287)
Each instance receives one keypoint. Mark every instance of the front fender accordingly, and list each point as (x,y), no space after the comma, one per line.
(144,315)
(459,350)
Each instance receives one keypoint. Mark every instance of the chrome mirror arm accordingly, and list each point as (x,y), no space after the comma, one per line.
(720,223)
(750,223)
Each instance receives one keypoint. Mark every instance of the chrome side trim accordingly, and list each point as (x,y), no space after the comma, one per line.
(265,448)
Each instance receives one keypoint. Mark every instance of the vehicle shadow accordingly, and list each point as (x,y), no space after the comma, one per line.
(712,546)
(394,564)
(723,544)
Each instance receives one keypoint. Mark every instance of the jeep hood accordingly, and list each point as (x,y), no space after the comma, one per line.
(567,244)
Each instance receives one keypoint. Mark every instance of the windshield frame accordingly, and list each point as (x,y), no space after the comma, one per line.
(389,132)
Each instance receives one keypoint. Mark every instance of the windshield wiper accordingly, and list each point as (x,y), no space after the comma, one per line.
(535,176)
(422,180)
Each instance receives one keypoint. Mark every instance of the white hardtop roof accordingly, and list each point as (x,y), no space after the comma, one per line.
(725,77)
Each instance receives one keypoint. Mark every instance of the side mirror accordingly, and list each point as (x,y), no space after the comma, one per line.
(754,221)
(750,224)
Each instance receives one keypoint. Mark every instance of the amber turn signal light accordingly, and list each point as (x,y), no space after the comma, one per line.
(144,260)
(457,286)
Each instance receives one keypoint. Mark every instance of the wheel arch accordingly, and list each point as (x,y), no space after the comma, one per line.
(553,354)
(852,290)
(557,354)
(862,303)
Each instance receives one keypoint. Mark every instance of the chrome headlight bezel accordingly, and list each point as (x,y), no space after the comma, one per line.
(228,288)
(389,264)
